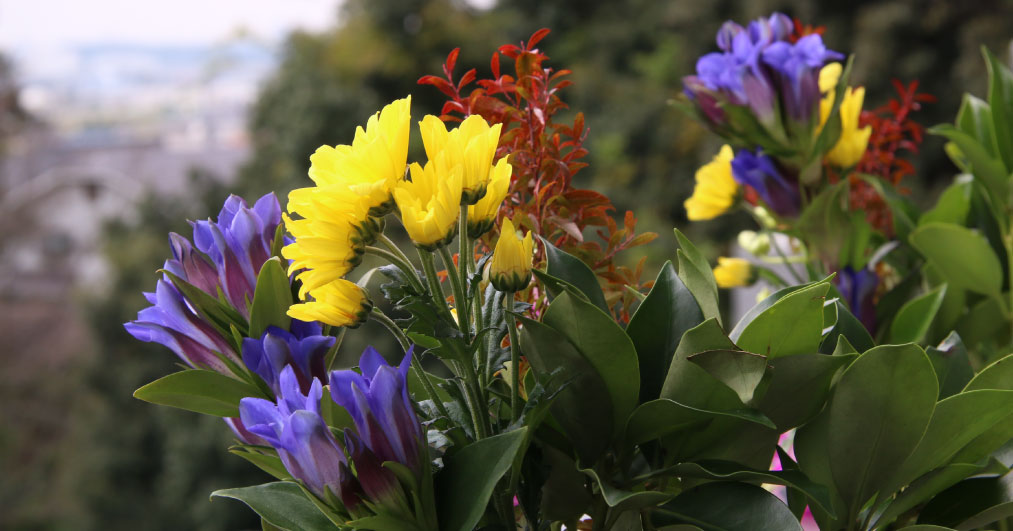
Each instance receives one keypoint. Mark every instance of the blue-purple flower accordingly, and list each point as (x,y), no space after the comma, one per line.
(238,244)
(859,289)
(381,409)
(294,427)
(758,171)
(303,349)
(797,67)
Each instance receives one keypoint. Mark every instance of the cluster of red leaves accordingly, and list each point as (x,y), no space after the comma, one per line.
(895,137)
(545,156)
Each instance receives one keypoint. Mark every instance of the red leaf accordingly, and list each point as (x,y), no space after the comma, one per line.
(468,77)
(451,62)
(537,36)
(494,64)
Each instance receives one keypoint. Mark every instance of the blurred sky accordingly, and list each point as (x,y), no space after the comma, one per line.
(40,33)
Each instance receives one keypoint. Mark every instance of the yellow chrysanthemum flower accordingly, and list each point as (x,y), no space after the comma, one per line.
(715,188)
(375,161)
(733,272)
(482,215)
(851,145)
(471,146)
(430,203)
(339,303)
(331,235)
(510,267)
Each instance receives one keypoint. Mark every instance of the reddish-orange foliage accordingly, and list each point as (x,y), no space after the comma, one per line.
(545,156)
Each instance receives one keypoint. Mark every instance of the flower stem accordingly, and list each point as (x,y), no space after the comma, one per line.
(404,265)
(460,301)
(422,375)
(434,284)
(515,357)
(332,353)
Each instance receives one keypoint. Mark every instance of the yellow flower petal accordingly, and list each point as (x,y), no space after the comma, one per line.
(510,267)
(715,188)
(733,272)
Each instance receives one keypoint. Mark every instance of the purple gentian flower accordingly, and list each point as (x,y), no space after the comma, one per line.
(173,322)
(303,349)
(797,69)
(239,243)
(294,427)
(759,173)
(381,409)
(859,289)
(706,100)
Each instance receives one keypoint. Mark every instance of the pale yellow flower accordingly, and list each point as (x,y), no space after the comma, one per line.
(510,267)
(715,189)
(733,272)
(850,147)
(430,204)
(375,161)
(472,146)
(482,215)
(339,303)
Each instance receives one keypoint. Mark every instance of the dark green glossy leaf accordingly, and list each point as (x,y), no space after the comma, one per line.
(847,326)
(727,506)
(696,273)
(626,500)
(464,486)
(687,383)
(661,417)
(282,504)
(971,504)
(953,369)
(200,391)
(799,387)
(792,325)
(569,268)
(268,462)
(658,325)
(604,344)
(924,488)
(740,371)
(913,320)
(998,375)
(271,299)
(877,414)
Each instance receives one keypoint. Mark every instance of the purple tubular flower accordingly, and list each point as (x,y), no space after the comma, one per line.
(859,289)
(239,243)
(381,409)
(704,98)
(303,349)
(759,173)
(294,427)
(797,68)
(172,322)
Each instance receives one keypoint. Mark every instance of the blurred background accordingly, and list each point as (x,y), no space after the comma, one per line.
(120,120)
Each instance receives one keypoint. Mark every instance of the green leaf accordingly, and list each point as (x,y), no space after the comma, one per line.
(727,506)
(986,168)
(281,503)
(271,299)
(582,408)
(725,471)
(998,375)
(740,371)
(924,488)
(956,422)
(975,119)
(464,486)
(849,327)
(626,500)
(913,319)
(971,504)
(799,387)
(1000,99)
(658,325)
(962,256)
(696,273)
(661,417)
(604,345)
(571,269)
(953,205)
(759,307)
(792,325)
(953,369)
(268,463)
(220,315)
(199,390)
(687,383)
(877,414)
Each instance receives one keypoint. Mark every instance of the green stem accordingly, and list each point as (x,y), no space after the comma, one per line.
(515,357)
(465,253)
(460,301)
(404,265)
(423,376)
(434,284)
(388,243)
(483,351)
(332,353)
(784,258)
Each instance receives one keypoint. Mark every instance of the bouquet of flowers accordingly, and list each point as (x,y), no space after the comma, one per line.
(541,386)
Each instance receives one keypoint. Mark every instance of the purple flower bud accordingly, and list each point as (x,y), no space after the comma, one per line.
(294,427)
(172,322)
(859,289)
(303,349)
(797,67)
(706,100)
(381,409)
(759,173)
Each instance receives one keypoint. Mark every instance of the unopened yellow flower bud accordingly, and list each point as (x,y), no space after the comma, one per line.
(715,189)
(510,267)
(339,303)
(734,272)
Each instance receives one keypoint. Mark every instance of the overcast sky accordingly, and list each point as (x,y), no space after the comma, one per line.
(36,32)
